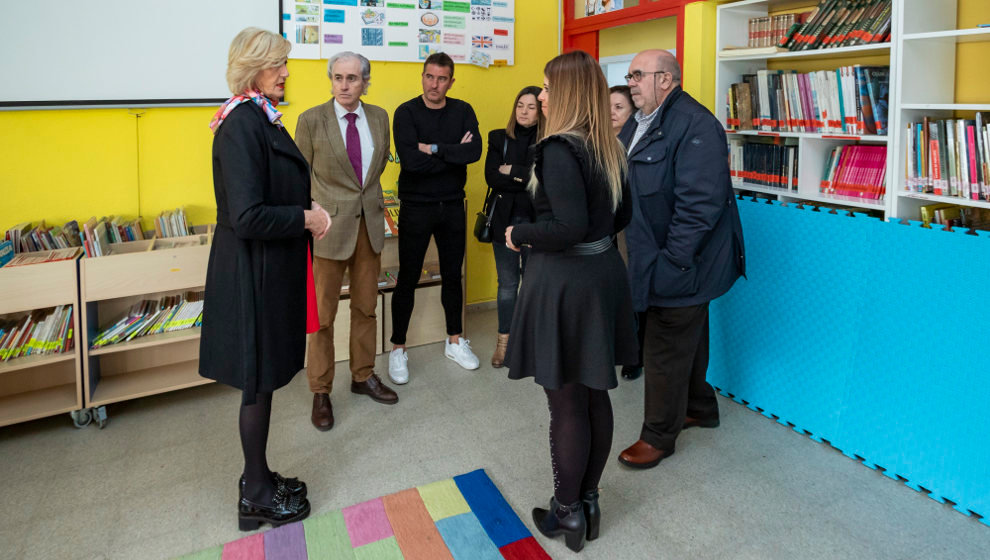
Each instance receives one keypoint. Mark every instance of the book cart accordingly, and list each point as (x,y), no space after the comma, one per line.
(109,286)
(38,386)
(813,149)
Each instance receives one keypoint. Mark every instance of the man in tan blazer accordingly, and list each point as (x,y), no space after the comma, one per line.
(346,143)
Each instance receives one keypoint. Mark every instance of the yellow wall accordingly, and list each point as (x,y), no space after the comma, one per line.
(629,39)
(972,81)
(699,52)
(72,164)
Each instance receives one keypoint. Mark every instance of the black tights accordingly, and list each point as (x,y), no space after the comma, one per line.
(253,423)
(580,439)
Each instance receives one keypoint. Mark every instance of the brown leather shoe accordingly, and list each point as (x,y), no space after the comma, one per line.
(642,455)
(690,422)
(322,416)
(498,358)
(374,388)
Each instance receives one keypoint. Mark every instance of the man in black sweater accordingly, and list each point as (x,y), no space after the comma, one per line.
(436,137)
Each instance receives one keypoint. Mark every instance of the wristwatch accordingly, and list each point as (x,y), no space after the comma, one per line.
(433,148)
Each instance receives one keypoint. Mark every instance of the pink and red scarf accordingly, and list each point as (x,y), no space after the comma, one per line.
(274,116)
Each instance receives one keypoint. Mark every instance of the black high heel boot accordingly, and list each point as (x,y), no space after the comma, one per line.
(562,520)
(592,513)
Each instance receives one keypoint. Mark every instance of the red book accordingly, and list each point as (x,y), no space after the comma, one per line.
(971,151)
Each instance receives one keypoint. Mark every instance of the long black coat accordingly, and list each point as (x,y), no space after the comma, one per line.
(685,240)
(254,313)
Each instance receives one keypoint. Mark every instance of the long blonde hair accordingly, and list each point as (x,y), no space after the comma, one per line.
(580,109)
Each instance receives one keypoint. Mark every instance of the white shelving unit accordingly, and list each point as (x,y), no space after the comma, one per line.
(813,149)
(926,38)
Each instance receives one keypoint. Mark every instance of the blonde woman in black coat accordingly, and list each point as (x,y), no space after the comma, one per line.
(254,316)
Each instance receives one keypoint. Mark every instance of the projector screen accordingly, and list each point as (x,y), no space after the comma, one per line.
(64,53)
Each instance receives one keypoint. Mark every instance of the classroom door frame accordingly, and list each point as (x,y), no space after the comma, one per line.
(582,33)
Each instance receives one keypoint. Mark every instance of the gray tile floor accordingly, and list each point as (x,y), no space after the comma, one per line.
(160,480)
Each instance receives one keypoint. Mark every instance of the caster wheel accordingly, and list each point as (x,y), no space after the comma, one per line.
(81,418)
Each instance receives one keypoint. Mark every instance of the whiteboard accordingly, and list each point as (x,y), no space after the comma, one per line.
(122,52)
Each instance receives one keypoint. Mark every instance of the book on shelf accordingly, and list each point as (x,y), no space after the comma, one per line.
(832,24)
(771,164)
(857,171)
(390,197)
(6,251)
(147,317)
(954,216)
(849,100)
(40,332)
(172,223)
(948,157)
(27,238)
(38,257)
(391,221)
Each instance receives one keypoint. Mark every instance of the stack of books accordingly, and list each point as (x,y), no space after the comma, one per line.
(949,157)
(27,238)
(172,223)
(146,317)
(766,164)
(38,257)
(43,331)
(833,24)
(849,100)
(857,170)
(954,216)
(841,23)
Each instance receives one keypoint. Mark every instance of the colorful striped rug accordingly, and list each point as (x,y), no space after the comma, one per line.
(461,518)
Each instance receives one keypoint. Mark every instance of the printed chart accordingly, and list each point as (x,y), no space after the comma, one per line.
(479,32)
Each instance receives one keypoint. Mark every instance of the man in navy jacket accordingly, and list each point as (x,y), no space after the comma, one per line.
(685,248)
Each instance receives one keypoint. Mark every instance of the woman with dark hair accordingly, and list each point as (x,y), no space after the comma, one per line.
(574,320)
(507,169)
(621,104)
(255,309)
(620,100)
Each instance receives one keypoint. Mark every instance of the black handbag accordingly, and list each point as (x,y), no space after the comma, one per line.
(483,220)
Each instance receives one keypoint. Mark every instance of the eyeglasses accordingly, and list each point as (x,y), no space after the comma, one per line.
(637,75)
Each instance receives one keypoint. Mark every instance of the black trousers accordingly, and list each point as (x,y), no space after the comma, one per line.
(675,364)
(418,221)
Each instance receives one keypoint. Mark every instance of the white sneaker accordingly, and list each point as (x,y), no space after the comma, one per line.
(461,353)
(397,368)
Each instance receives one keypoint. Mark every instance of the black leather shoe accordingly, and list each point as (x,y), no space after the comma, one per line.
(285,508)
(374,388)
(562,520)
(592,513)
(293,486)
(632,372)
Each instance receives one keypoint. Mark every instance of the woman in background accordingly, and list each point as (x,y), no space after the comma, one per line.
(574,321)
(508,166)
(254,316)
(622,109)
(620,101)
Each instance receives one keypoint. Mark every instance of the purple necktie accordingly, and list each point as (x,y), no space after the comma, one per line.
(353,142)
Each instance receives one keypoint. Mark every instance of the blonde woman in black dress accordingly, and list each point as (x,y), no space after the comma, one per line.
(573,321)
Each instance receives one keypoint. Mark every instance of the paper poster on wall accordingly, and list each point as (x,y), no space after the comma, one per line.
(592,7)
(477,32)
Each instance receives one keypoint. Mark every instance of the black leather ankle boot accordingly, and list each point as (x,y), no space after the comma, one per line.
(592,514)
(562,520)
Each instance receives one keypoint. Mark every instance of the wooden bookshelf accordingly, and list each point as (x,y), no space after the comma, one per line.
(111,284)
(38,386)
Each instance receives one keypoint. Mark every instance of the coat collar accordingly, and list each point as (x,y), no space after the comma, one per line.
(629,131)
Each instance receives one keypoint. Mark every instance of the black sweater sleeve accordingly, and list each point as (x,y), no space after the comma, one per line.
(565,190)
(623,214)
(470,152)
(407,144)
